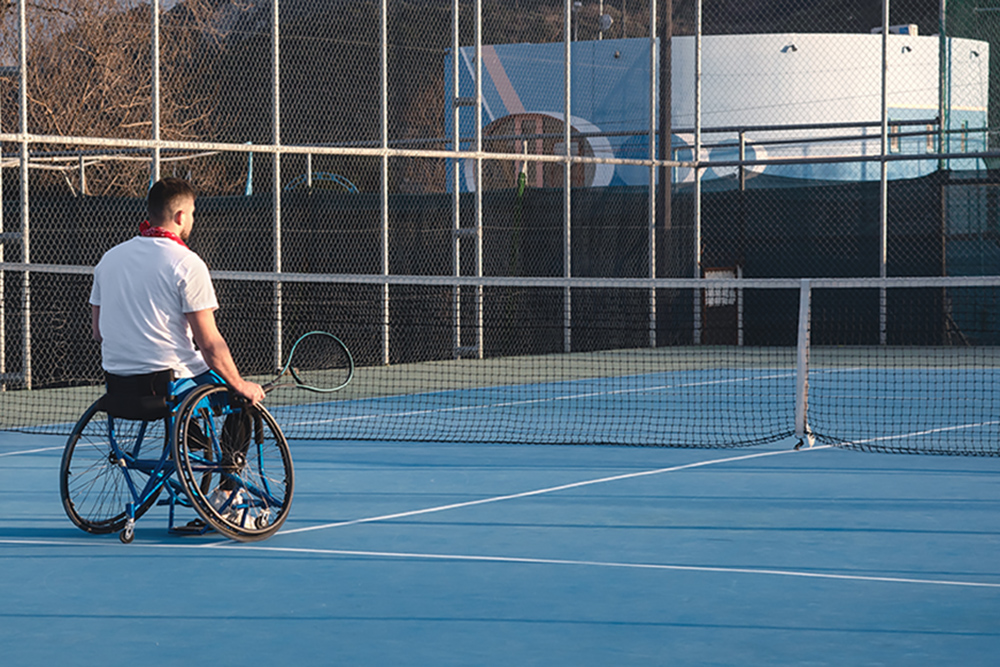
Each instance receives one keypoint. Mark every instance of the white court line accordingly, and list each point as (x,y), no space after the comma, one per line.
(533,561)
(637,566)
(551,489)
(33,451)
(53,543)
(931,431)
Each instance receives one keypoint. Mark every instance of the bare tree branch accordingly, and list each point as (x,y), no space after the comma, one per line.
(89,74)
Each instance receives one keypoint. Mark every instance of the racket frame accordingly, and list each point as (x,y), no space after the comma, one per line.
(297,381)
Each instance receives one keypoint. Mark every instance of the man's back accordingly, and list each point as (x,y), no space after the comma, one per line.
(144,288)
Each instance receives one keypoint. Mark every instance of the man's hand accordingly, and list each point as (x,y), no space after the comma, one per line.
(251,391)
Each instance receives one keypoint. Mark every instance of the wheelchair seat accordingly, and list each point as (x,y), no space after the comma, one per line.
(139,397)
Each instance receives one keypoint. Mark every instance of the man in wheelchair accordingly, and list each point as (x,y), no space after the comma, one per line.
(153,312)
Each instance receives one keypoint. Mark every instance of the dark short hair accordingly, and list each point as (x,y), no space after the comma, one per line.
(163,193)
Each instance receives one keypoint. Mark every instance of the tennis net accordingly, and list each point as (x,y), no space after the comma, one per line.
(903,365)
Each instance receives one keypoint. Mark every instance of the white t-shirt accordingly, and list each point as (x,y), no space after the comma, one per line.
(144,287)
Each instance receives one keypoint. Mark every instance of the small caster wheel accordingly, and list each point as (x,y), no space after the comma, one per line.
(128,533)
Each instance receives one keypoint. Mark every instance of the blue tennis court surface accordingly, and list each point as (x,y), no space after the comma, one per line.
(471,554)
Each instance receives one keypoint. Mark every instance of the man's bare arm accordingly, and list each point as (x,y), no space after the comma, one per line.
(95,322)
(217,355)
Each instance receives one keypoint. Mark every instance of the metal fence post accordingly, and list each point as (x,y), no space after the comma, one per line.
(883,205)
(276,183)
(653,146)
(384,167)
(25,211)
(456,200)
(154,9)
(696,250)
(567,177)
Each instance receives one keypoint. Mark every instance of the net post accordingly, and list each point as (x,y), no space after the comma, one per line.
(802,431)
(739,307)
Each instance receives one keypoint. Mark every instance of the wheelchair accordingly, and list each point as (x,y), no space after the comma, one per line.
(198,444)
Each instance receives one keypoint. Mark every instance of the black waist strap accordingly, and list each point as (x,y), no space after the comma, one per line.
(141,397)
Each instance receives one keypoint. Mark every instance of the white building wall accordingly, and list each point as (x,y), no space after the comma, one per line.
(750,81)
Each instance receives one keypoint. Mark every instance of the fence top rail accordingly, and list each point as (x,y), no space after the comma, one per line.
(300,149)
(556,282)
(721,129)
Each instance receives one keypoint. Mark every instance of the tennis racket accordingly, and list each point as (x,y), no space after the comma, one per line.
(318,362)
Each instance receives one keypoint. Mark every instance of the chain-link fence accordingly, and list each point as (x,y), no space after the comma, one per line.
(369,168)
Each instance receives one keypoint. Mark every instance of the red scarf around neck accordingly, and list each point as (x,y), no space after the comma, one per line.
(146,229)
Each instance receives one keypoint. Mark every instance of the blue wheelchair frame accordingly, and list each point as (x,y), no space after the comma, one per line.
(160,471)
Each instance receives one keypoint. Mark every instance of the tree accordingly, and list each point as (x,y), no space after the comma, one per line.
(89,73)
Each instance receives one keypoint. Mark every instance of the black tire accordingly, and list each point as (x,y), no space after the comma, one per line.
(242,484)
(92,481)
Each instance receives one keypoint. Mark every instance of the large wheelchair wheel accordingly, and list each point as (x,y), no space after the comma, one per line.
(94,478)
(233,463)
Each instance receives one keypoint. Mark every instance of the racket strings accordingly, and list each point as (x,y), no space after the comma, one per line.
(320,361)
